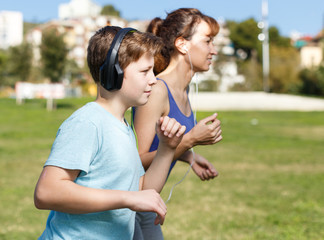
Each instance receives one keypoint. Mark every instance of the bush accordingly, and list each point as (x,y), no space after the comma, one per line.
(312,81)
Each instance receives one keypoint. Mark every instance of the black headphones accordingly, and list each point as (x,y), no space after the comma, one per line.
(111,75)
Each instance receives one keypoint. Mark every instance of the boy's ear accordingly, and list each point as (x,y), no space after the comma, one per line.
(180,44)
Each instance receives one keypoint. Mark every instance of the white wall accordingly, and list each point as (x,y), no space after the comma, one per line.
(311,56)
(79,8)
(11,29)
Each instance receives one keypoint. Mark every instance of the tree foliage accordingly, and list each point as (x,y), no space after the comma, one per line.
(244,35)
(251,69)
(15,64)
(312,81)
(3,67)
(284,69)
(284,59)
(110,10)
(20,58)
(53,55)
(276,39)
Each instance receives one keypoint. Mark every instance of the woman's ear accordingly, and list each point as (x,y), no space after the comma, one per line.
(180,44)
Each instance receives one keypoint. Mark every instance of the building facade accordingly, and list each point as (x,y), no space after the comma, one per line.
(11,29)
(79,8)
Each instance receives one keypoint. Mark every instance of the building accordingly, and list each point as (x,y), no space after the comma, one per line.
(311,56)
(311,50)
(79,8)
(34,37)
(11,29)
(77,33)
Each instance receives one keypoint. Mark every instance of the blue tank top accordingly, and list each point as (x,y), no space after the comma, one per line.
(175,113)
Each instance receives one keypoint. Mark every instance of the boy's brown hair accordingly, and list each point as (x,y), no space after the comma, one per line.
(133,46)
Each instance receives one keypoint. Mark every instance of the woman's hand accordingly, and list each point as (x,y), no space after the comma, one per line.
(203,168)
(207,131)
(200,165)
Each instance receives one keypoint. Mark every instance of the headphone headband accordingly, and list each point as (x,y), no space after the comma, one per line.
(111,75)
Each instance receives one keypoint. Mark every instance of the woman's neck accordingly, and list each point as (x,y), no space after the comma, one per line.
(177,74)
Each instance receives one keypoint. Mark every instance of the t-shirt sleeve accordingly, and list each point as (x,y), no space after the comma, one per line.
(75,146)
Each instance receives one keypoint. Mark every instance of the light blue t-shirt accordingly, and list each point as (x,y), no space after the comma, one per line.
(104,149)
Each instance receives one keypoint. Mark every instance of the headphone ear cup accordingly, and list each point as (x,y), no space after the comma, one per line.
(103,75)
(119,77)
(111,75)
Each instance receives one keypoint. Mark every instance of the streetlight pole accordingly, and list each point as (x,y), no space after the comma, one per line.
(265,46)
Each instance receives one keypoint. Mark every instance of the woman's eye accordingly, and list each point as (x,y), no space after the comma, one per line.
(209,40)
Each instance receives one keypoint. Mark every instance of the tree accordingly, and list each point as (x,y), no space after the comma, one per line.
(3,67)
(53,55)
(252,71)
(15,64)
(20,58)
(276,39)
(110,10)
(283,58)
(244,35)
(312,81)
(284,67)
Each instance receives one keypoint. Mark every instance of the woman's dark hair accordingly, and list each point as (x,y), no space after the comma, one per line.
(179,23)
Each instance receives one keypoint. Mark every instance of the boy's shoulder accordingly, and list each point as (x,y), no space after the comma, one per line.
(90,113)
(86,112)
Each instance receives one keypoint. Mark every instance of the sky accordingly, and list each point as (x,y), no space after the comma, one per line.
(303,16)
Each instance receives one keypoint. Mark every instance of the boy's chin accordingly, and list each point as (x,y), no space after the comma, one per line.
(141,103)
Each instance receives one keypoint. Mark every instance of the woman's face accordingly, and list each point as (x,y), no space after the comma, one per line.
(201,48)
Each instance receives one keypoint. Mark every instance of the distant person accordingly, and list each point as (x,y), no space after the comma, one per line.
(93,180)
(188,36)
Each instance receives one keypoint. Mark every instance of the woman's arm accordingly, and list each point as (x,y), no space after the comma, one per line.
(207,131)
(145,120)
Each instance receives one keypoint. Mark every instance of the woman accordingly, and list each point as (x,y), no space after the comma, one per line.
(188,37)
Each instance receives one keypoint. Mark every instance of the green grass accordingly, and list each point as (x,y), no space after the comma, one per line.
(270,185)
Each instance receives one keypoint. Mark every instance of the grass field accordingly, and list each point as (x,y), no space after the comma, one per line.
(271,182)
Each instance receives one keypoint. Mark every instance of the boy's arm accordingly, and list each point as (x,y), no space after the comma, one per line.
(170,133)
(57,191)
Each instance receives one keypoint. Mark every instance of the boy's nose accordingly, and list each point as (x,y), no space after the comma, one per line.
(152,79)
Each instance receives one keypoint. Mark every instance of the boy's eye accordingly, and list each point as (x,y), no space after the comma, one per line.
(145,71)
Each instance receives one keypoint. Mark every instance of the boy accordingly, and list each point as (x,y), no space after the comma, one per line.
(93,180)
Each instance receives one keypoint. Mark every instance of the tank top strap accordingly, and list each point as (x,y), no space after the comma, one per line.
(169,92)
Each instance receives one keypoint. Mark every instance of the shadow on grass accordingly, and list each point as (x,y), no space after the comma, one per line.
(65,106)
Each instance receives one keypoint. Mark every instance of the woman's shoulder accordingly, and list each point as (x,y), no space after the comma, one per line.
(158,100)
(160,89)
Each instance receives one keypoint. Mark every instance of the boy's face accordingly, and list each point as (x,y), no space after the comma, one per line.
(138,81)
